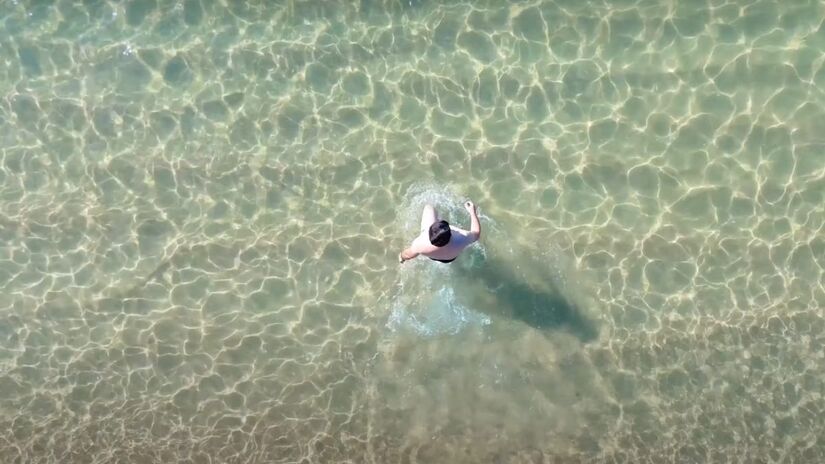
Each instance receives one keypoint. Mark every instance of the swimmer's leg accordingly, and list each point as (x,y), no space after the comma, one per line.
(428,217)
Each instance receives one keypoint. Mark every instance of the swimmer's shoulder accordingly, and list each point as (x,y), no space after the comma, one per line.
(421,244)
(458,230)
(464,237)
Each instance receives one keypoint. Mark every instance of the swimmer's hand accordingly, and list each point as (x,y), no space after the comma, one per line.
(406,255)
(470,207)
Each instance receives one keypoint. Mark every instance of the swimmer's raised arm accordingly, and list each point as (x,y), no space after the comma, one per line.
(475,225)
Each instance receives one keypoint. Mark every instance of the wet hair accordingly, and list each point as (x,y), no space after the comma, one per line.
(440,233)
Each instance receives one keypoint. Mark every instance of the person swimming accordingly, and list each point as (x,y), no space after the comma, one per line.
(440,241)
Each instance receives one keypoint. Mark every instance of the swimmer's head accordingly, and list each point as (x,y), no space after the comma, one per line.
(440,233)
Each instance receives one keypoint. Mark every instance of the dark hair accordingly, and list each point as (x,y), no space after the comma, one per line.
(440,233)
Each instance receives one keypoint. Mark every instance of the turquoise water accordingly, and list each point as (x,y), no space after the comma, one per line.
(202,201)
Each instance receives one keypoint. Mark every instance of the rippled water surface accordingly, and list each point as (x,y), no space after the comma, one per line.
(202,201)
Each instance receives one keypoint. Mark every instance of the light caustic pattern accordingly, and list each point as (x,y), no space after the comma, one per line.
(201,204)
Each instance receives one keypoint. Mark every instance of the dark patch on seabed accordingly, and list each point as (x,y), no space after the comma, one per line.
(543,306)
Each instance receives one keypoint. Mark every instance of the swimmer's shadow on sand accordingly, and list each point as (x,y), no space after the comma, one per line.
(544,309)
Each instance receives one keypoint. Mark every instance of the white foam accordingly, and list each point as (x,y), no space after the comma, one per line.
(448,204)
(433,313)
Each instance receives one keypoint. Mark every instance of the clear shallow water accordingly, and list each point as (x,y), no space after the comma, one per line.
(202,203)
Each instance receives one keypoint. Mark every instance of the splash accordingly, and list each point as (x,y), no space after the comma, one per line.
(427,305)
(447,202)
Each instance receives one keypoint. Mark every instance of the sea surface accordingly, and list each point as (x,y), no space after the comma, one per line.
(202,203)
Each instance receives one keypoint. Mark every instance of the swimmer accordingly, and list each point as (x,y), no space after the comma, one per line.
(440,241)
